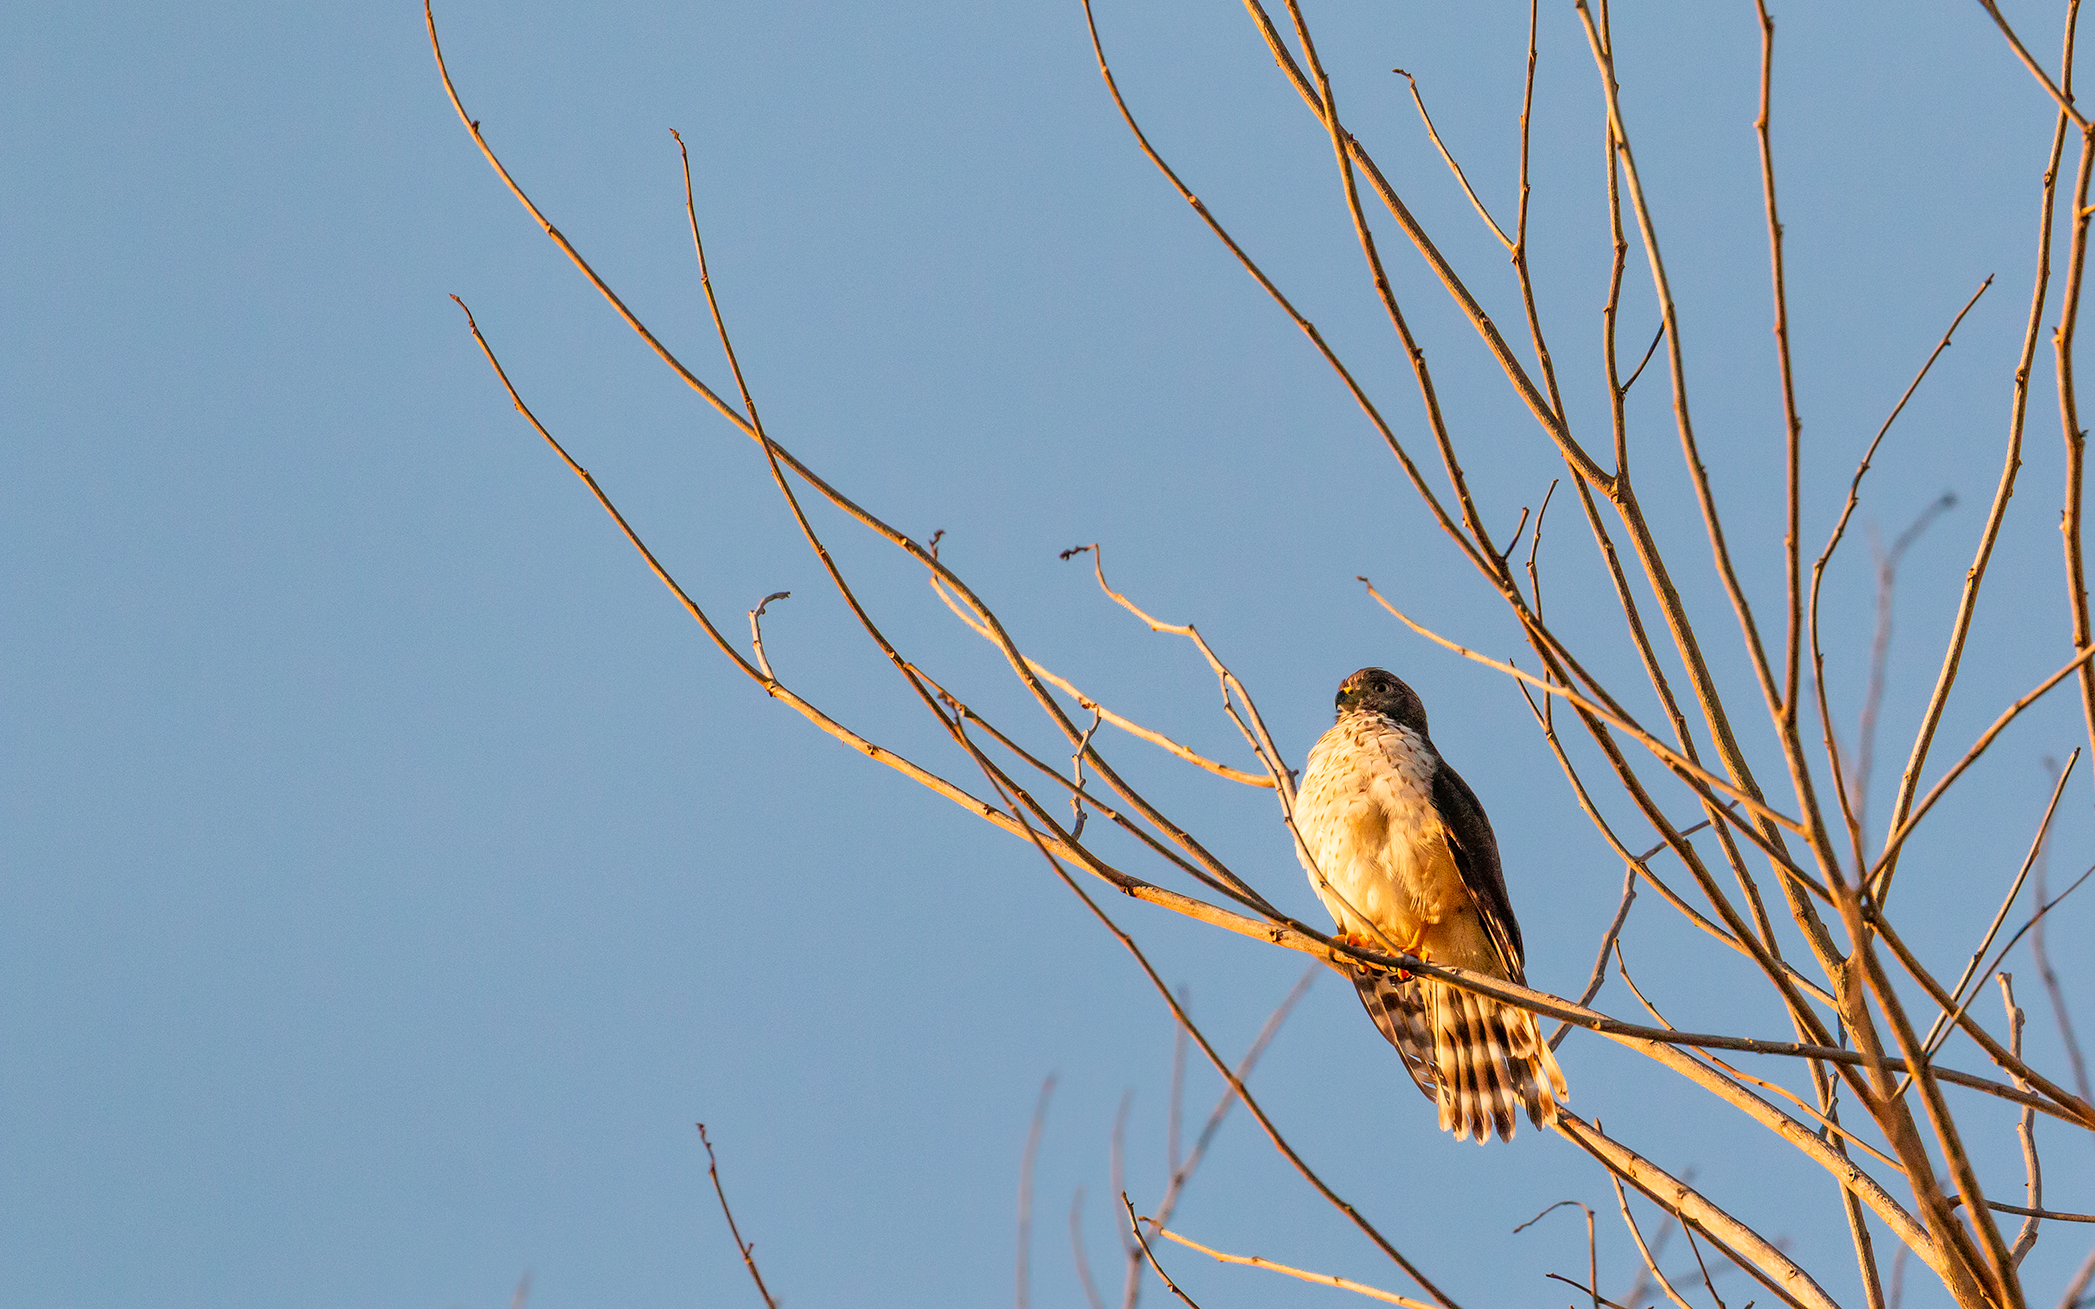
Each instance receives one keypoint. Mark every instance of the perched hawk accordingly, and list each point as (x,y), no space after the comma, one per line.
(1400,852)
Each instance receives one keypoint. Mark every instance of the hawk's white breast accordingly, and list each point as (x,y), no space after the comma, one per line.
(1375,847)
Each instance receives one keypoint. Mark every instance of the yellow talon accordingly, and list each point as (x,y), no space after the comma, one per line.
(1416,946)
(1413,946)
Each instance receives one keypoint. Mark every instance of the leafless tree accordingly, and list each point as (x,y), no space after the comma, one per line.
(1857,1089)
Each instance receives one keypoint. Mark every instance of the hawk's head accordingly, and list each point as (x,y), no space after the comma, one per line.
(1373,691)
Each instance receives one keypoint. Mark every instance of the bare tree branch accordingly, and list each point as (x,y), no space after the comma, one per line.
(1321,1279)
(747,1249)
(2025,1131)
(1455,168)
(1651,1263)
(1135,1226)
(1770,1266)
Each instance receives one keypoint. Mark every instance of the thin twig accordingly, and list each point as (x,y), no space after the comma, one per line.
(2036,920)
(1598,1298)
(1535,541)
(2073,519)
(2025,1131)
(1824,1120)
(1248,722)
(1414,354)
(1971,969)
(1135,1226)
(1649,351)
(1120,721)
(2011,465)
(1551,418)
(1607,943)
(1650,1257)
(2074,1110)
(1453,167)
(756,630)
(1690,772)
(1025,1192)
(2053,1214)
(1592,1245)
(1971,756)
(2064,99)
(1321,1279)
(1709,1284)
(747,1249)
(1957,1014)
(1792,424)
(1520,238)
(1850,805)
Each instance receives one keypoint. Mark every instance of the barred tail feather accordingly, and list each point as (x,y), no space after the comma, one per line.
(1479,1061)
(1544,1087)
(1491,1061)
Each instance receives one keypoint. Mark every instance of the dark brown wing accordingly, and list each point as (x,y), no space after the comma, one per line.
(1476,853)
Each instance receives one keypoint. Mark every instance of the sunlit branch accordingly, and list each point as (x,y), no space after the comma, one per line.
(2064,98)
(1321,1279)
(1135,1226)
(1693,774)
(1125,724)
(1552,421)
(1453,167)
(1971,756)
(1751,1251)
(1650,1263)
(1178,1013)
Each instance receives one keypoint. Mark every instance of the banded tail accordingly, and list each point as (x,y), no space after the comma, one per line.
(1477,1059)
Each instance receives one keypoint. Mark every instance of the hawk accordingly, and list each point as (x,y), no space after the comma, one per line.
(1400,852)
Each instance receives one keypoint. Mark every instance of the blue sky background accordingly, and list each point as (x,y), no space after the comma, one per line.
(391,875)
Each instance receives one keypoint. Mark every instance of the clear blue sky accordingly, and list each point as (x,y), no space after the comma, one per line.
(390,874)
